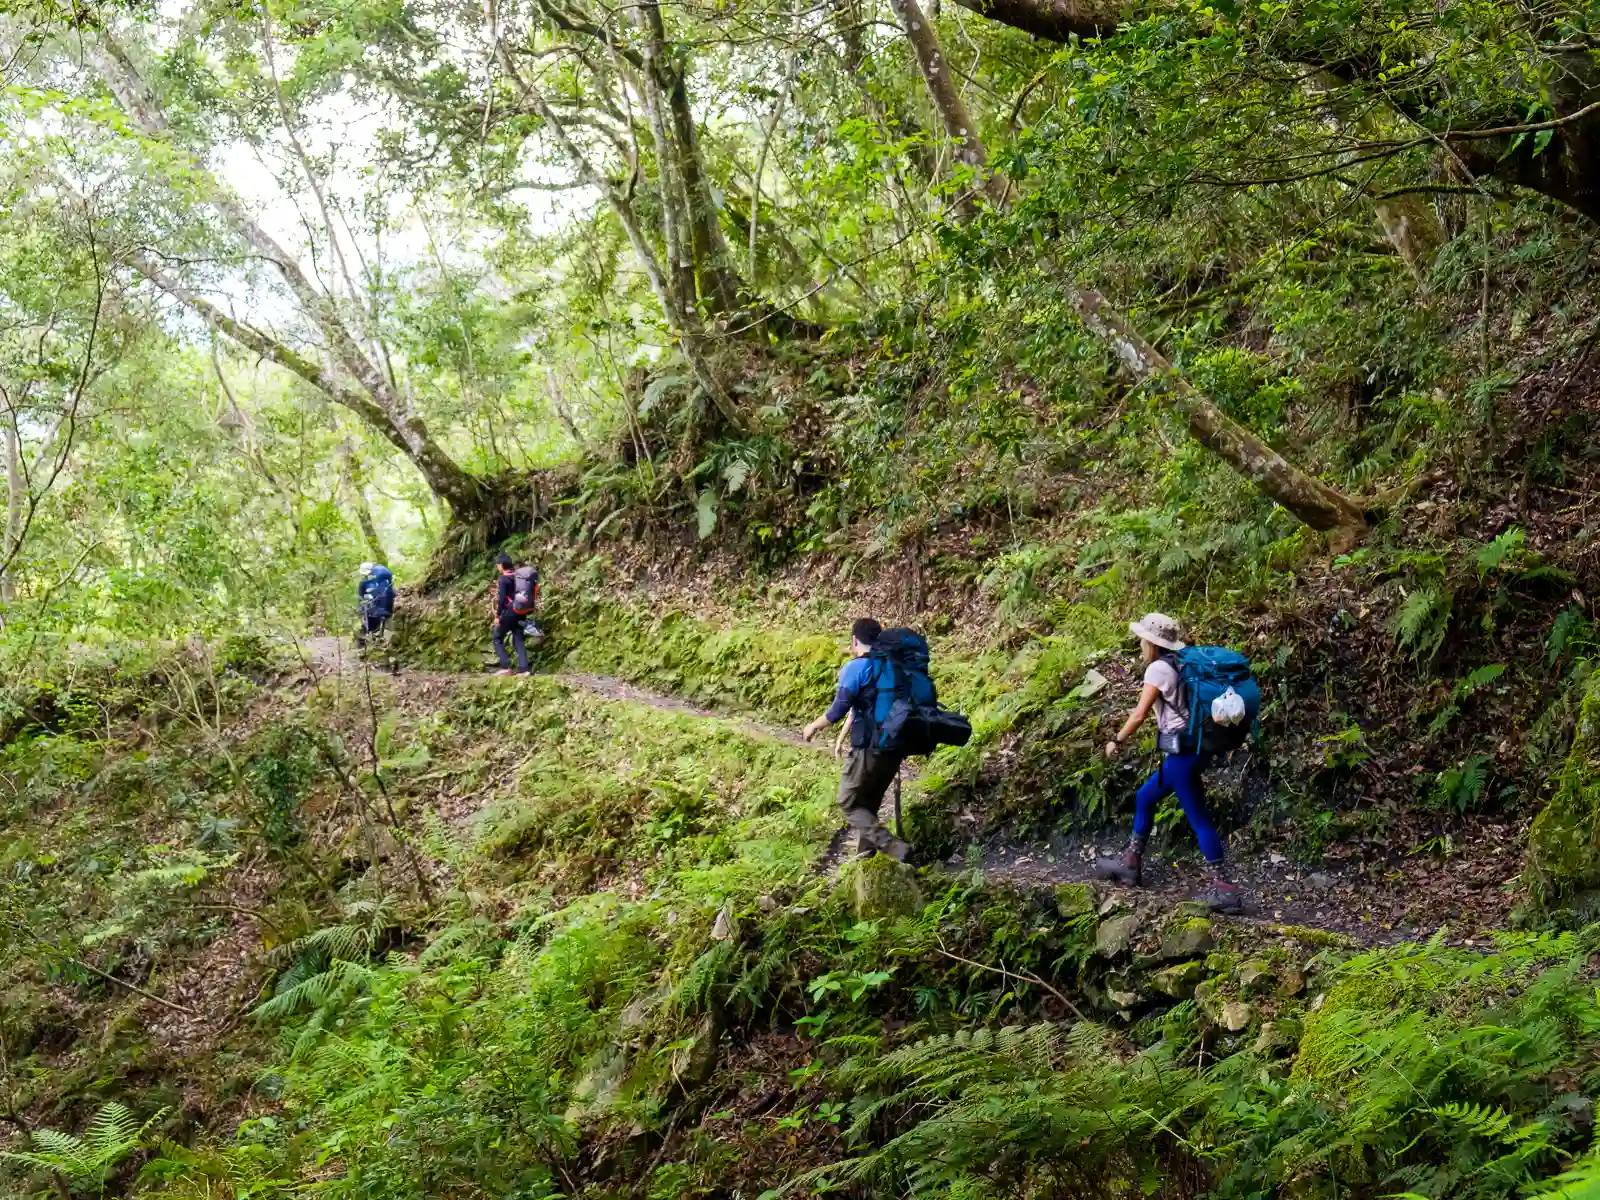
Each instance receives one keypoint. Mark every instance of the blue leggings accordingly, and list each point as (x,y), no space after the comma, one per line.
(1178,773)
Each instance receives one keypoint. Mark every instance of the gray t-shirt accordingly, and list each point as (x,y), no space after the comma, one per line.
(1170,716)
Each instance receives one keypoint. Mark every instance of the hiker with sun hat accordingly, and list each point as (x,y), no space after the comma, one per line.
(1182,760)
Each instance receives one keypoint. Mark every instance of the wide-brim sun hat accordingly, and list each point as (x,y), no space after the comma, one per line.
(1158,629)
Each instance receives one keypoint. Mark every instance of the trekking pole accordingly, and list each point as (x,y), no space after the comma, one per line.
(898,831)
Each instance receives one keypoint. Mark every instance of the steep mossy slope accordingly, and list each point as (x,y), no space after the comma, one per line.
(1415,701)
(514,937)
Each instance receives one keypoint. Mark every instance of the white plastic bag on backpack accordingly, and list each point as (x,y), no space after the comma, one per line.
(1228,708)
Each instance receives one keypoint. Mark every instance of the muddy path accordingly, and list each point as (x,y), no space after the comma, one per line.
(1386,899)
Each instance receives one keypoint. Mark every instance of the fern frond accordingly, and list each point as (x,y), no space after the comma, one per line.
(1423,620)
(1480,1120)
(340,979)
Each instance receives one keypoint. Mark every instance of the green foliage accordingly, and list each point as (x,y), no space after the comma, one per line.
(280,775)
(1571,631)
(1346,749)
(85,1163)
(1460,787)
(1423,619)
(616,901)
(1466,687)
(1507,550)
(1456,1093)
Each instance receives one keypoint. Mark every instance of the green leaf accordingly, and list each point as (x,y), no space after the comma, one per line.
(1504,549)
(706,508)
(1480,679)
(658,389)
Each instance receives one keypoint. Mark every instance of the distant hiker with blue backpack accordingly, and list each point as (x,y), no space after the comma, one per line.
(375,601)
(894,712)
(1205,703)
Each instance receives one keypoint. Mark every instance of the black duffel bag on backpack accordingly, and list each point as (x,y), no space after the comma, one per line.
(915,722)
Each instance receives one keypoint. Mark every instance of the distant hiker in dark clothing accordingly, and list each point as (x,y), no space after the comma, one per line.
(868,772)
(1178,772)
(516,597)
(375,600)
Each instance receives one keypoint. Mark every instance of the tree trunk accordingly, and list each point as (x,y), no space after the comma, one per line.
(675,205)
(719,284)
(371,398)
(1308,498)
(1315,503)
(685,323)
(355,477)
(440,472)
(16,496)
(947,101)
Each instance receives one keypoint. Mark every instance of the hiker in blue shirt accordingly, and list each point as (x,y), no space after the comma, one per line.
(1178,773)
(375,600)
(866,684)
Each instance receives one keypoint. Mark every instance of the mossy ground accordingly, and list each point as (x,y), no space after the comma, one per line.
(521,937)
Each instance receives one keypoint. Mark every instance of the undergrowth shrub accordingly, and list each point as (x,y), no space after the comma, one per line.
(1426,1071)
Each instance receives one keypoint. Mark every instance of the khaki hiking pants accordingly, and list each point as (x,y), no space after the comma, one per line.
(867,777)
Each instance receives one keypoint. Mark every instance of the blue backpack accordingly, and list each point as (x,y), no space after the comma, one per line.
(377,592)
(1206,674)
(906,713)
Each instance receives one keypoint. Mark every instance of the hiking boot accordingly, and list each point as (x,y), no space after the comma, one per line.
(1126,868)
(1222,896)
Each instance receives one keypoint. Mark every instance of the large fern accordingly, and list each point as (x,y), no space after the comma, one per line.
(88,1159)
(1423,620)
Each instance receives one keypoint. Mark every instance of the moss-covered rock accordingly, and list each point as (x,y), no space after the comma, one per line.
(1074,900)
(1564,841)
(1123,1001)
(693,1063)
(1115,935)
(1255,977)
(1236,1016)
(881,889)
(1278,1034)
(1188,937)
(1329,1029)
(1180,981)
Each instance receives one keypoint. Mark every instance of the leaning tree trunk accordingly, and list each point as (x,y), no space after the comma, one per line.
(947,102)
(368,393)
(1307,497)
(1316,503)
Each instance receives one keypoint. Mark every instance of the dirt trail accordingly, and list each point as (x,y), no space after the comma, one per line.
(1379,901)
(336,654)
